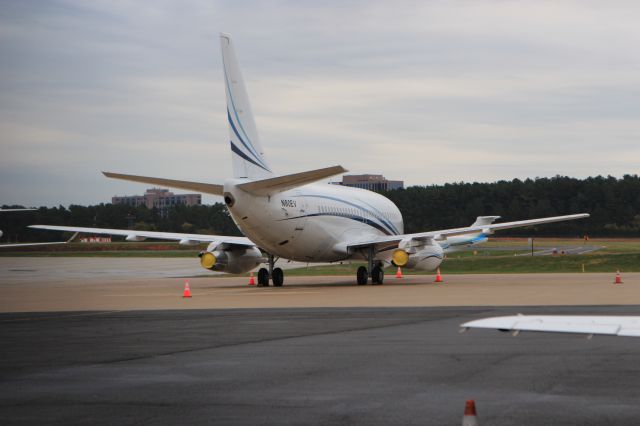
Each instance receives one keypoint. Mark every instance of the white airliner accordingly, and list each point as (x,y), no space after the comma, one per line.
(294,217)
(585,324)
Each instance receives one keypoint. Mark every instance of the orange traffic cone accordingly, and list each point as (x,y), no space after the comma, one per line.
(399,273)
(618,278)
(187,290)
(251,280)
(438,276)
(469,418)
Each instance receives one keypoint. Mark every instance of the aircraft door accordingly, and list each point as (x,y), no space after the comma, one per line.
(300,212)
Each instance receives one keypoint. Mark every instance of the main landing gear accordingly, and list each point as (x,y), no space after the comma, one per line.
(377,273)
(276,275)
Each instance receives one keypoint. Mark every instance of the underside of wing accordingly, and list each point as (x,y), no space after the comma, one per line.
(133,235)
(609,325)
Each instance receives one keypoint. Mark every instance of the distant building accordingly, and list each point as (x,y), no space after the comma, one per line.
(161,199)
(371,182)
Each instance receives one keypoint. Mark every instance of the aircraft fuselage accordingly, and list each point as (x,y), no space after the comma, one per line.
(309,223)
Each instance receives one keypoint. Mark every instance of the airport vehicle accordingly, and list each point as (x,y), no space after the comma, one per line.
(585,324)
(295,217)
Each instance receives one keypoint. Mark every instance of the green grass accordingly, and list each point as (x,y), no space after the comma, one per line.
(593,262)
(626,262)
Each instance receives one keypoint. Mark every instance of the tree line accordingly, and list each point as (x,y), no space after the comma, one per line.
(614,205)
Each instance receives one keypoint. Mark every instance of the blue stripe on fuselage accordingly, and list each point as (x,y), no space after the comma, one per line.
(352,217)
(391,229)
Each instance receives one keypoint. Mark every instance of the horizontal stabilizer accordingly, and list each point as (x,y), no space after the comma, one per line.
(282,183)
(206,188)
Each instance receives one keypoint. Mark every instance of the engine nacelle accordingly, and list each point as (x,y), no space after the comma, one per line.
(425,258)
(233,260)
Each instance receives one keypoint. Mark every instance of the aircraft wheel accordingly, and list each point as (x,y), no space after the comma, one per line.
(263,277)
(362,275)
(277,277)
(377,275)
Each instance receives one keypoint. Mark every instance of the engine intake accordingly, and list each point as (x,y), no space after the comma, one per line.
(424,258)
(233,260)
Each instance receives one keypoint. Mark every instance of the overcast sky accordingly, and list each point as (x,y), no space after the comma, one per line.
(427,92)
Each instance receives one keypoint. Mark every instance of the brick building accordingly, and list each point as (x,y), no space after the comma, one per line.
(161,199)
(371,182)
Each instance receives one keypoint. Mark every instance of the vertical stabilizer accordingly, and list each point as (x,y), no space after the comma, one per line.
(248,159)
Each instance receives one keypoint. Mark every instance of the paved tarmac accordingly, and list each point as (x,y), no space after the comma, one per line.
(67,284)
(88,341)
(310,366)
(27,269)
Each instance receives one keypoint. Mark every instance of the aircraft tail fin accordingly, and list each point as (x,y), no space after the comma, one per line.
(282,183)
(249,160)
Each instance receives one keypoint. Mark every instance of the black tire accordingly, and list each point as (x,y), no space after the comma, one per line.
(263,277)
(277,277)
(377,275)
(362,276)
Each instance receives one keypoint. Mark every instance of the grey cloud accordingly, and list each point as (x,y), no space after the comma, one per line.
(428,92)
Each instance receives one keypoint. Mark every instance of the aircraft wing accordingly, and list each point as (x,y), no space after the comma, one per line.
(31,244)
(609,325)
(133,235)
(443,234)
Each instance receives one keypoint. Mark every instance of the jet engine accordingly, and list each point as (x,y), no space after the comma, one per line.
(424,258)
(230,259)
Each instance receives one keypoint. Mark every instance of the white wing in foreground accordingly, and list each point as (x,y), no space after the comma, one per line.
(133,235)
(609,325)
